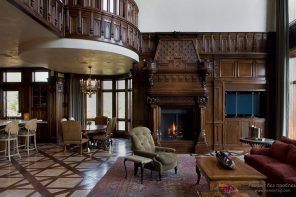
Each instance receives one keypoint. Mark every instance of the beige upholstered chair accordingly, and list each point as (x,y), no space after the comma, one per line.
(9,135)
(28,131)
(72,134)
(143,145)
(102,120)
(104,140)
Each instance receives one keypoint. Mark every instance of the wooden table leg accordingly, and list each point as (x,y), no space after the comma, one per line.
(125,168)
(198,174)
(142,173)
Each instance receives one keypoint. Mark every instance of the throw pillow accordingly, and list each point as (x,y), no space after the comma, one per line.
(279,150)
(291,156)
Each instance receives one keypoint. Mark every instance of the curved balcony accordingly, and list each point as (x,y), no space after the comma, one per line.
(102,33)
(111,21)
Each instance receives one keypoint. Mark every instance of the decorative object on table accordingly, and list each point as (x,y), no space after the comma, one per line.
(26,116)
(227,189)
(255,133)
(225,160)
(89,86)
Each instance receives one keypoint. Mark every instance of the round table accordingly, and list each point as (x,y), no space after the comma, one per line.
(257,142)
(91,129)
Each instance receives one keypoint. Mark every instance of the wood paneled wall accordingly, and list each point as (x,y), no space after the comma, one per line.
(240,62)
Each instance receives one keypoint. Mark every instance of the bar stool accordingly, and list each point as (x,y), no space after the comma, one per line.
(28,131)
(8,135)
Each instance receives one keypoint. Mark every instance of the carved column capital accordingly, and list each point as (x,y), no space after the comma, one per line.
(153,100)
(202,101)
(203,69)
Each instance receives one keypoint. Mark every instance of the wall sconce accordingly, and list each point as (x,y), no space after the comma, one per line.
(152,69)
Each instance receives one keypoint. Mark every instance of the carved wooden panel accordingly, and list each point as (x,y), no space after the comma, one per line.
(231,132)
(260,68)
(245,68)
(227,68)
(245,130)
(183,51)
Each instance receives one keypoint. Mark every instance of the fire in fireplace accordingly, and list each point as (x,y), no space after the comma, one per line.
(176,124)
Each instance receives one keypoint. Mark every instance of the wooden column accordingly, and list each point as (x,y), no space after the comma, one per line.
(201,147)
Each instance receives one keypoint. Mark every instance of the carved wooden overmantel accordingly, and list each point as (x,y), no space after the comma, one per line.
(178,81)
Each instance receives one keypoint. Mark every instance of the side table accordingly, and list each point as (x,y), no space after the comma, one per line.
(137,160)
(260,142)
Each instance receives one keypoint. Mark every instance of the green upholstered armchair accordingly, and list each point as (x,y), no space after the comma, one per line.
(143,145)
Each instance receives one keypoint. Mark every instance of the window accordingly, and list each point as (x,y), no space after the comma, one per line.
(107,104)
(40,76)
(244,104)
(91,107)
(111,6)
(292,98)
(11,104)
(12,77)
(117,102)
(105,5)
(292,10)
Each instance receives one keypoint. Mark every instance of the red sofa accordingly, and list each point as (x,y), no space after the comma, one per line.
(277,163)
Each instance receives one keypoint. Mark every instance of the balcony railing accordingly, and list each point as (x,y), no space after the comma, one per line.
(86,23)
(111,21)
(49,13)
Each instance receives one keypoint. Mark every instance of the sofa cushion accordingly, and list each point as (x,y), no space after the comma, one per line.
(290,180)
(259,161)
(279,150)
(288,140)
(291,155)
(280,171)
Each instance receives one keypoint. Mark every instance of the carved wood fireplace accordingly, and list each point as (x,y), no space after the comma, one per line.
(177,94)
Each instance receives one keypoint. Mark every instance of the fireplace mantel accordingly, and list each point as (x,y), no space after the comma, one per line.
(178,82)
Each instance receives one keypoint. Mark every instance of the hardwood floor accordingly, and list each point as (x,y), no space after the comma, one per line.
(51,172)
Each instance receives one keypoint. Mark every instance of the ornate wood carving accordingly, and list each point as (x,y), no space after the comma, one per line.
(218,43)
(48,12)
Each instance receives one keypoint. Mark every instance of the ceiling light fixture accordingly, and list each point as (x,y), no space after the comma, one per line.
(89,86)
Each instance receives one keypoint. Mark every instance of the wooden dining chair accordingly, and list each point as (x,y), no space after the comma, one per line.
(102,120)
(104,140)
(72,134)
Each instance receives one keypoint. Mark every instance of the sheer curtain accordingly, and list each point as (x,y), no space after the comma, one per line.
(77,100)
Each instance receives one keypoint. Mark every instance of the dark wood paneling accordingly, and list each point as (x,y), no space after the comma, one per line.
(245,68)
(227,68)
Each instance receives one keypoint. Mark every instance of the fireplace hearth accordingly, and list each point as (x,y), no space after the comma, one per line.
(176,124)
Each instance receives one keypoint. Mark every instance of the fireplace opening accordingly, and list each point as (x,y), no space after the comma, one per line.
(176,124)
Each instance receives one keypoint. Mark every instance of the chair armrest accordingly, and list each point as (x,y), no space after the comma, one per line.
(145,154)
(164,149)
(260,151)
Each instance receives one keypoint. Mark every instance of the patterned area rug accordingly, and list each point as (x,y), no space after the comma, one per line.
(181,184)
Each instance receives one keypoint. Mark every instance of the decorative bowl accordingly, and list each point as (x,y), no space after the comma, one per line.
(225,160)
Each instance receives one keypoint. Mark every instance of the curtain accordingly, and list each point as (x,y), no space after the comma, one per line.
(77,100)
(282,63)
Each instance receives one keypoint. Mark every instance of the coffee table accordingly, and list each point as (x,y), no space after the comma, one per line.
(242,175)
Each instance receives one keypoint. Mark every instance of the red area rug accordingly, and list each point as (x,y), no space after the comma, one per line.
(181,184)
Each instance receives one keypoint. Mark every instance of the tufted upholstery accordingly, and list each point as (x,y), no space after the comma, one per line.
(143,145)
(142,139)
